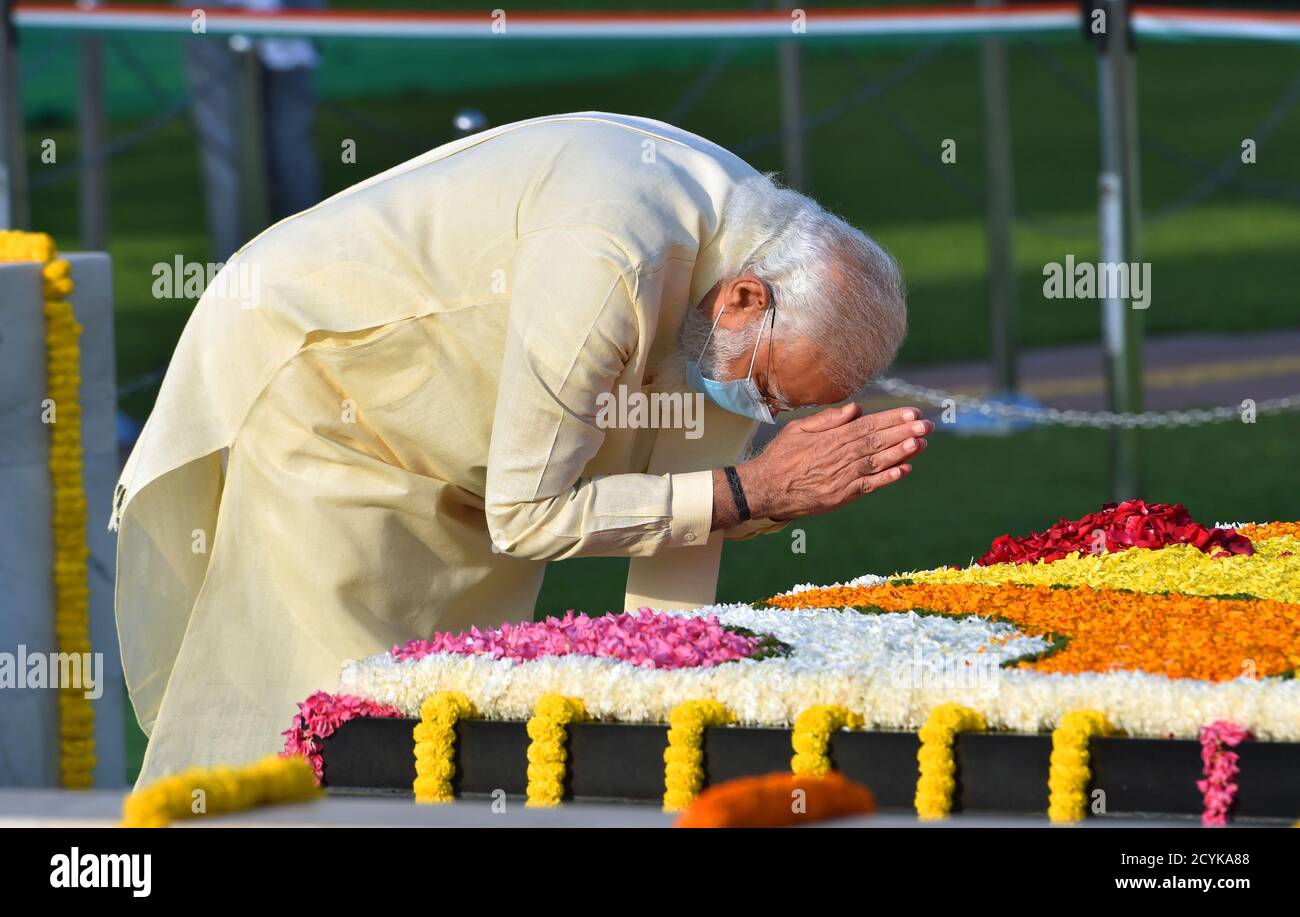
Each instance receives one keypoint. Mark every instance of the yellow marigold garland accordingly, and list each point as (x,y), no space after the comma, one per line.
(71,592)
(1070,772)
(938,769)
(812,735)
(435,745)
(224,789)
(547,756)
(684,756)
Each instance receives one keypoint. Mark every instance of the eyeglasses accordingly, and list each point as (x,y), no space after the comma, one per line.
(776,402)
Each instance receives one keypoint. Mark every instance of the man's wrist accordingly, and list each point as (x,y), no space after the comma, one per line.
(724,511)
(755,492)
(725,514)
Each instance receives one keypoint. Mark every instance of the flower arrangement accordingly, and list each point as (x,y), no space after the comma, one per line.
(1172,626)
(220,790)
(318,717)
(71,592)
(1069,772)
(777,801)
(844,657)
(938,769)
(435,745)
(547,755)
(1106,630)
(684,756)
(1271,572)
(1219,786)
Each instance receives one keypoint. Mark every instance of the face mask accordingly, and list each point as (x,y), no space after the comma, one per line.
(740,396)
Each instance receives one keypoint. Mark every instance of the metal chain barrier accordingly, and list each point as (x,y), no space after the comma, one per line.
(1101,420)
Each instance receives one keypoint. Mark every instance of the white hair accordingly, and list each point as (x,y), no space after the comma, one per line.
(833,286)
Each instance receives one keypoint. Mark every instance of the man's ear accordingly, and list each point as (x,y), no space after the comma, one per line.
(741,300)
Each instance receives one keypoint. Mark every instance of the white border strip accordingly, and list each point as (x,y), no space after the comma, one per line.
(870,23)
(889,23)
(1259,27)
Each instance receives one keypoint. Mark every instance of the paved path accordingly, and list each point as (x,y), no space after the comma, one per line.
(1181,371)
(101,808)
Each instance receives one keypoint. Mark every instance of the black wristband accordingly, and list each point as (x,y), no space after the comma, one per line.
(737,492)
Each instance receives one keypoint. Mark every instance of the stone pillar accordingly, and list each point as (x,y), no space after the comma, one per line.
(29,726)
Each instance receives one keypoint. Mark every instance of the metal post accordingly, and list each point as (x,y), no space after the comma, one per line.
(14,212)
(793,142)
(255,202)
(1117,226)
(1004,319)
(94,160)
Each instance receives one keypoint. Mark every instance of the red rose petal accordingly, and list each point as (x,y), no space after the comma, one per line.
(1131,524)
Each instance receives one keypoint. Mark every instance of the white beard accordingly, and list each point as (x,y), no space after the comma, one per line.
(723,348)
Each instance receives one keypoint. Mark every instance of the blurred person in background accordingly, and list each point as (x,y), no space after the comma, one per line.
(241,134)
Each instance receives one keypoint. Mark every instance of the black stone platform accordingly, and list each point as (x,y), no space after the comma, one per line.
(996,772)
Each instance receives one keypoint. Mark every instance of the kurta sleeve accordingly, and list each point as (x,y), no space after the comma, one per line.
(575,323)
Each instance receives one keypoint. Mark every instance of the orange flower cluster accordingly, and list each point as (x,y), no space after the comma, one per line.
(1266,530)
(778,800)
(1179,636)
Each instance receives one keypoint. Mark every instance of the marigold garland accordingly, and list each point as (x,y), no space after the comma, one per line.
(938,770)
(435,745)
(71,592)
(776,801)
(684,756)
(812,736)
(547,756)
(1070,772)
(220,790)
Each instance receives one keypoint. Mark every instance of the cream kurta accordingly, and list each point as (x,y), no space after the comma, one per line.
(391,425)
